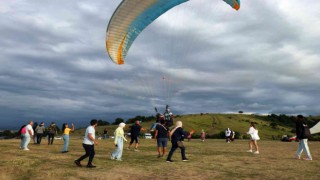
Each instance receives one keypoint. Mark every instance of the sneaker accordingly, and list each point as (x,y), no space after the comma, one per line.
(250,150)
(26,149)
(119,159)
(257,152)
(78,163)
(296,156)
(169,161)
(307,159)
(185,159)
(128,148)
(91,166)
(136,150)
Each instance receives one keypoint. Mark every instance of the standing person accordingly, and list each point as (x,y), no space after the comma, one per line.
(105,133)
(22,133)
(66,131)
(34,126)
(40,130)
(118,142)
(232,135)
(52,130)
(161,136)
(228,135)
(28,135)
(253,131)
(302,135)
(177,135)
(88,144)
(203,135)
(134,133)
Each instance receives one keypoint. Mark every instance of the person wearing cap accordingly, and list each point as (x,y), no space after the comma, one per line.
(40,130)
(118,142)
(88,144)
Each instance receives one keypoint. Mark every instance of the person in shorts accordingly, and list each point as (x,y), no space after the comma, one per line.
(161,136)
(134,133)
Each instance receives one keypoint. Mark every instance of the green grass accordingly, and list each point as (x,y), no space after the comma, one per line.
(212,159)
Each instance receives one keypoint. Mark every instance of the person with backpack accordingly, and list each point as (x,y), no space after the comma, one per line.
(27,136)
(39,131)
(177,136)
(162,136)
(52,130)
(22,133)
(302,132)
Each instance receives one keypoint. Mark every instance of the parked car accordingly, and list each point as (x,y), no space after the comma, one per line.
(147,136)
(286,138)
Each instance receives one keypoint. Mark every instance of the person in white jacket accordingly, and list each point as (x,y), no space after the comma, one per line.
(254,138)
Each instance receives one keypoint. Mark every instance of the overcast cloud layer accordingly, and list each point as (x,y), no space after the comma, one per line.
(201,56)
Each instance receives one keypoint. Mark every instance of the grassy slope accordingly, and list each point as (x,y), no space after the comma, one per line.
(215,123)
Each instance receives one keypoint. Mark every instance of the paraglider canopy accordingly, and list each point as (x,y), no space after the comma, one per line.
(131,17)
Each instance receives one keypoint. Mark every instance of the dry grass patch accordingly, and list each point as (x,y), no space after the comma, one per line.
(213,159)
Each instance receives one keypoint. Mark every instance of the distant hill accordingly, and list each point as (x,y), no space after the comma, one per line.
(215,124)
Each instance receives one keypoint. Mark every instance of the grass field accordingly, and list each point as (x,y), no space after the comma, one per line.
(212,159)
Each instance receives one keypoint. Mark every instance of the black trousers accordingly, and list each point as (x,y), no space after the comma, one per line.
(50,138)
(39,137)
(174,147)
(89,153)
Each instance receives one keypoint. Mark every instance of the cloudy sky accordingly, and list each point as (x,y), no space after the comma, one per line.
(201,56)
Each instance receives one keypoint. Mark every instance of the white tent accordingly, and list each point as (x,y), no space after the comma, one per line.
(315,129)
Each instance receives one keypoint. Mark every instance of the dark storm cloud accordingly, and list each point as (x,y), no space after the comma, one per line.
(198,57)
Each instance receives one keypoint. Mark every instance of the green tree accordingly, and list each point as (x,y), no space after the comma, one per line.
(118,121)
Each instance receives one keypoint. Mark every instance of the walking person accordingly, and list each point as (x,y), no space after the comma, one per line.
(253,132)
(39,131)
(28,135)
(162,135)
(302,133)
(34,126)
(52,130)
(228,135)
(66,131)
(105,133)
(134,133)
(88,144)
(22,133)
(203,135)
(177,135)
(118,142)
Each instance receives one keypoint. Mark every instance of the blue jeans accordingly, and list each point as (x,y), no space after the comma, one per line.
(23,138)
(117,153)
(303,146)
(66,142)
(26,141)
